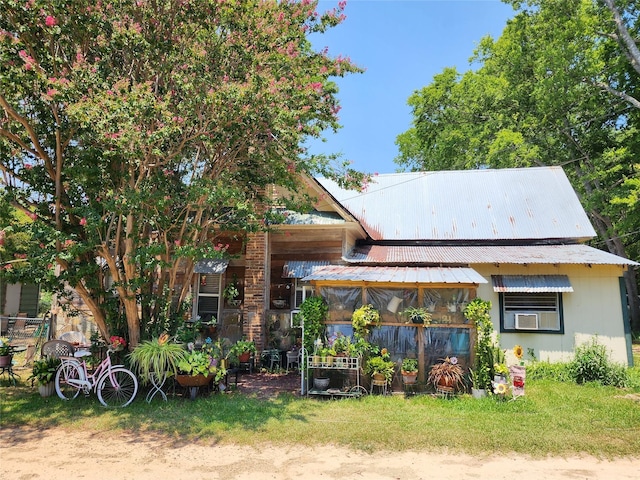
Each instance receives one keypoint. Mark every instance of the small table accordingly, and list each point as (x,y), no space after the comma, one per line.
(157,382)
(8,369)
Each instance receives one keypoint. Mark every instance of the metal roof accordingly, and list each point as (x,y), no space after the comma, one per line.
(465,255)
(531,283)
(300,269)
(210,266)
(456,275)
(504,204)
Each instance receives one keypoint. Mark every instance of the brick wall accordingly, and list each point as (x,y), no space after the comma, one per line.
(255,287)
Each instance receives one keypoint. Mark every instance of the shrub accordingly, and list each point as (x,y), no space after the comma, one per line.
(559,372)
(592,364)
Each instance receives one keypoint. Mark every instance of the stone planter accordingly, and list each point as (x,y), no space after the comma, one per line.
(47,389)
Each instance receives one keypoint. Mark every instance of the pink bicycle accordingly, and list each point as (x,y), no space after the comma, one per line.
(115,385)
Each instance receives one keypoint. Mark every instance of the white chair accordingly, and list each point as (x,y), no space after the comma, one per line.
(293,359)
(73,337)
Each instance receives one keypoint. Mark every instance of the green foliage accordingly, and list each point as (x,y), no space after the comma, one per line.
(314,312)
(557,88)
(134,133)
(380,365)
(591,363)
(477,311)
(557,371)
(200,362)
(409,365)
(44,370)
(157,355)
(364,319)
(240,347)
(417,315)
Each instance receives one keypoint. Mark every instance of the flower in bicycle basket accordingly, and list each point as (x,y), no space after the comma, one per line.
(117,343)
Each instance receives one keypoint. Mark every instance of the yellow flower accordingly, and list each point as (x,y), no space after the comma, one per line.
(500,388)
(517,351)
(384,351)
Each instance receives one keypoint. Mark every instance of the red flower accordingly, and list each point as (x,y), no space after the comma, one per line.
(83,221)
(50,21)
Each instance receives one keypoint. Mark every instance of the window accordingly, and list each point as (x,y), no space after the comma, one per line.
(304,290)
(208,298)
(531,312)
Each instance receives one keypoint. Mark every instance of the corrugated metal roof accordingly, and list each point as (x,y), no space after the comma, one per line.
(531,283)
(210,266)
(464,255)
(506,204)
(397,274)
(300,269)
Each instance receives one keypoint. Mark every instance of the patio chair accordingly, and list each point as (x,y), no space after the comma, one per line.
(73,337)
(57,349)
(293,359)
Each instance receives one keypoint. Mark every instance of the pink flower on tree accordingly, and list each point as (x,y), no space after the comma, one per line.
(83,221)
(50,21)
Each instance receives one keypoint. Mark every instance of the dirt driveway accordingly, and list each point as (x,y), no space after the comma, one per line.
(58,454)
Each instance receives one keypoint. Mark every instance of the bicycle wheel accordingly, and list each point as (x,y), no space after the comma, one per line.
(117,388)
(68,371)
(358,391)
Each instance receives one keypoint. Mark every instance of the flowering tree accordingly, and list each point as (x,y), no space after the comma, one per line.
(135,133)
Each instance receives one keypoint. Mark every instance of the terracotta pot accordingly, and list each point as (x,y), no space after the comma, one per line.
(244,357)
(409,378)
(446,382)
(193,380)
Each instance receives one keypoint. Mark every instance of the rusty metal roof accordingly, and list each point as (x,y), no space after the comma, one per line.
(457,275)
(466,255)
(300,269)
(504,204)
(531,283)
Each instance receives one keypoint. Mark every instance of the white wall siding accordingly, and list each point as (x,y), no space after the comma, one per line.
(593,309)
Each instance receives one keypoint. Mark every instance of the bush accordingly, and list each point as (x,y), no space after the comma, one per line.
(591,364)
(559,372)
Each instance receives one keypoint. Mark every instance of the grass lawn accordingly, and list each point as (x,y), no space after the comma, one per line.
(553,418)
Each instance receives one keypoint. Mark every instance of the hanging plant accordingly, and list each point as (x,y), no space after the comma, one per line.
(364,319)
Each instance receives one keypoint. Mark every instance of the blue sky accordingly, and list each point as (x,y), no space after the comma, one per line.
(402,44)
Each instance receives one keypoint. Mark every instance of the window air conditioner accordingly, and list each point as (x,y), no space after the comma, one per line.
(526,321)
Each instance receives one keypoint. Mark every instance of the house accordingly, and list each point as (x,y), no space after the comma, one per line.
(515,237)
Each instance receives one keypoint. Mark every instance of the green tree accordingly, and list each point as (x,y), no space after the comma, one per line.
(136,133)
(538,98)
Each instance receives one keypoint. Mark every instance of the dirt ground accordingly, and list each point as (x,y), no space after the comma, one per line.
(60,454)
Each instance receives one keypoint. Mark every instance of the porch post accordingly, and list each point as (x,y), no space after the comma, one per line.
(255,290)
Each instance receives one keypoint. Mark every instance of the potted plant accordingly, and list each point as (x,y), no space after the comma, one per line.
(6,352)
(44,372)
(380,367)
(418,315)
(242,350)
(447,375)
(231,292)
(197,369)
(158,357)
(363,319)
(409,370)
